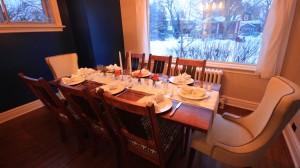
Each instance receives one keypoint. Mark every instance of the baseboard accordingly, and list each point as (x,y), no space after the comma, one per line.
(244,104)
(18,111)
(293,144)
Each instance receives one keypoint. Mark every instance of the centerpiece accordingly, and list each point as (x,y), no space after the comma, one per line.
(155,78)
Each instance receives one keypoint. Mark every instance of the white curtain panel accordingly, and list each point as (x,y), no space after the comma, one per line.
(142,26)
(135,25)
(275,38)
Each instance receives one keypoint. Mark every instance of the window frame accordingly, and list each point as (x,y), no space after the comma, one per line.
(236,67)
(56,26)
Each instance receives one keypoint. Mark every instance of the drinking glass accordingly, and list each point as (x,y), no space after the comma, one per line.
(100,67)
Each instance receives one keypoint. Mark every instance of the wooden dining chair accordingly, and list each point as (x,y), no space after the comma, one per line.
(140,131)
(157,64)
(137,61)
(63,112)
(91,112)
(63,64)
(195,68)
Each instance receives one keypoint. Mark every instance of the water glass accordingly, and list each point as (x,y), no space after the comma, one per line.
(100,67)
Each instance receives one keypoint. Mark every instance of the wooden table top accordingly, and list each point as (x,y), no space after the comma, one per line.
(188,115)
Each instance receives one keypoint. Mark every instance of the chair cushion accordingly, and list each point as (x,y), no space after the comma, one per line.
(168,132)
(223,131)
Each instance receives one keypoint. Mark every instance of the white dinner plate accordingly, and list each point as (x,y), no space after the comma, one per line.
(164,105)
(80,80)
(118,90)
(190,81)
(145,75)
(191,96)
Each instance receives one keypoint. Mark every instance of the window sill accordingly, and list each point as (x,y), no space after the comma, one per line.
(31,28)
(231,66)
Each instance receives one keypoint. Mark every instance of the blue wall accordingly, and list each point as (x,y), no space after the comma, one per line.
(25,52)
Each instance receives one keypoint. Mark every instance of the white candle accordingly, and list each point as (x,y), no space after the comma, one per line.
(120,58)
(129,59)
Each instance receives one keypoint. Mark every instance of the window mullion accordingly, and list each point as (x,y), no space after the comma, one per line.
(5,11)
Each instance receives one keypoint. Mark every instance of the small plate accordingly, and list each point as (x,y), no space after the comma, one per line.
(164,105)
(190,81)
(137,71)
(118,90)
(76,82)
(190,96)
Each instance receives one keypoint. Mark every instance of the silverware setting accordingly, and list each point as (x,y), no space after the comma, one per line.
(174,110)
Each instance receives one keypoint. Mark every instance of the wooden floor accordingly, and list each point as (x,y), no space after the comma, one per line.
(33,140)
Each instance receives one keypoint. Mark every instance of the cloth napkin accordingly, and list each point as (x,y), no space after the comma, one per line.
(85,71)
(182,78)
(155,99)
(143,71)
(114,67)
(195,92)
(72,79)
(108,87)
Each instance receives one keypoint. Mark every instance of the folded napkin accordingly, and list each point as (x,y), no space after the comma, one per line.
(198,92)
(195,92)
(143,71)
(185,89)
(155,99)
(186,76)
(85,71)
(114,67)
(108,87)
(72,79)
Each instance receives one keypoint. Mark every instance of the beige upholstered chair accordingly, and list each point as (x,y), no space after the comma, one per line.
(62,65)
(241,141)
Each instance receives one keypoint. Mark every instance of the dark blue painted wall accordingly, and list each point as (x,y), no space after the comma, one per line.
(25,52)
(104,18)
(93,30)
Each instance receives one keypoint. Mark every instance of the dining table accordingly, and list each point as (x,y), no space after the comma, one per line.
(195,114)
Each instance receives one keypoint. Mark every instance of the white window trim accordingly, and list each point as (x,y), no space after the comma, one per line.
(33,27)
(231,66)
(228,66)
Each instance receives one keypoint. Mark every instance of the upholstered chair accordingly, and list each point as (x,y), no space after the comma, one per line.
(62,65)
(241,141)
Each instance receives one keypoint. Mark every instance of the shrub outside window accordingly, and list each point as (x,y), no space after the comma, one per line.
(216,30)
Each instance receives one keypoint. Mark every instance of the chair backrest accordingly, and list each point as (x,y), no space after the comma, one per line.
(195,68)
(62,65)
(135,122)
(280,103)
(44,92)
(160,64)
(92,116)
(137,60)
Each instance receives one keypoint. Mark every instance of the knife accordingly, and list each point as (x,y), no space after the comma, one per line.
(173,111)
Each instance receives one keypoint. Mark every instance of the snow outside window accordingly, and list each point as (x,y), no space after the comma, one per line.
(29,16)
(214,30)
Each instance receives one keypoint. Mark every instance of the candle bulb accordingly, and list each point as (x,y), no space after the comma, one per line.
(120,58)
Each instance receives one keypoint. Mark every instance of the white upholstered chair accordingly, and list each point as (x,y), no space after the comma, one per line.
(241,141)
(62,65)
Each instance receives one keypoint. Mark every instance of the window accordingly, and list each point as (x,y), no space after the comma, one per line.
(29,16)
(216,30)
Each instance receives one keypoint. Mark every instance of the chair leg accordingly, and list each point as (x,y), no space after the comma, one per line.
(186,139)
(79,134)
(62,131)
(191,157)
(94,140)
